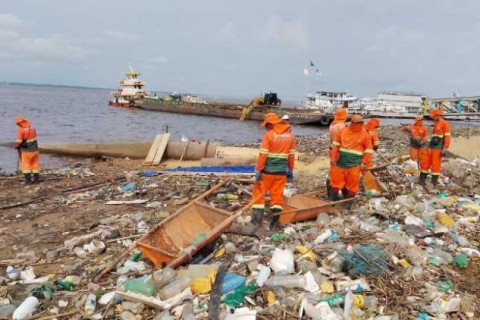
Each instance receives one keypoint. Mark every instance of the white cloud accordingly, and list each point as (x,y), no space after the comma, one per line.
(119,35)
(160,60)
(227,33)
(9,21)
(292,33)
(15,43)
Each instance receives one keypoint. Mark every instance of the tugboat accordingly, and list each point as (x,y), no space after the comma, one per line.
(130,91)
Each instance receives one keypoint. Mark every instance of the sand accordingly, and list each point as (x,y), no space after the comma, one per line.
(466,148)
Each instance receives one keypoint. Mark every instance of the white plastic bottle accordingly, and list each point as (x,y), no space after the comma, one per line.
(175,287)
(90,304)
(26,309)
(287,281)
(263,276)
(163,277)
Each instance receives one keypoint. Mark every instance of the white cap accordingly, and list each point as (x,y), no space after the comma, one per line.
(286,117)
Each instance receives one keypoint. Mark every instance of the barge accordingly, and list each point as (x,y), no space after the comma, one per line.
(235,111)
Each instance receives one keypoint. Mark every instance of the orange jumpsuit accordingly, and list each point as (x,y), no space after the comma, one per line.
(277,154)
(418,135)
(440,140)
(27,141)
(352,148)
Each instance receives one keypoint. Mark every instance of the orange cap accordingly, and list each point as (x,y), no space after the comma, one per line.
(436,112)
(341,114)
(418,118)
(20,119)
(357,118)
(271,118)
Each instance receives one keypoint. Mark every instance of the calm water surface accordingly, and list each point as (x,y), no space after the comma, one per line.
(76,114)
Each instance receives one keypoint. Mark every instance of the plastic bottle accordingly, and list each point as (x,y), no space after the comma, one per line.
(263,276)
(90,304)
(337,263)
(227,196)
(139,286)
(163,277)
(64,284)
(231,281)
(434,241)
(332,301)
(323,236)
(175,287)
(323,220)
(187,312)
(26,309)
(287,281)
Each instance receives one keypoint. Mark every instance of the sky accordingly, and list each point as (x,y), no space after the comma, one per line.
(244,48)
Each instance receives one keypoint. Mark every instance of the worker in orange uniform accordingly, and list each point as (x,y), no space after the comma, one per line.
(418,146)
(351,153)
(439,142)
(27,145)
(337,125)
(274,167)
(371,127)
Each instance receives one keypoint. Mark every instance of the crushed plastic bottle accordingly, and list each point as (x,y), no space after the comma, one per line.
(161,278)
(227,196)
(139,286)
(26,309)
(90,304)
(287,281)
(175,287)
(263,276)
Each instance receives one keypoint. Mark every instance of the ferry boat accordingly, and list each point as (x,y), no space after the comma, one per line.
(328,101)
(130,91)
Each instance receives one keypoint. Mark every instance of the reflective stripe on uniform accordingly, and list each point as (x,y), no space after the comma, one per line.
(258,206)
(276,206)
(368,151)
(291,151)
(335,143)
(447,134)
(263,150)
(278,155)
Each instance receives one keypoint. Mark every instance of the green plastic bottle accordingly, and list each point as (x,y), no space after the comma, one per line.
(333,301)
(139,286)
(64,284)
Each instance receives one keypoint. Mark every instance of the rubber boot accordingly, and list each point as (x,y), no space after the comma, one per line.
(347,195)
(435,180)
(333,195)
(274,219)
(28,178)
(422,178)
(36,177)
(257,217)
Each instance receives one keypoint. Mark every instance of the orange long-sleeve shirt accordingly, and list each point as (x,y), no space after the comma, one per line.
(277,151)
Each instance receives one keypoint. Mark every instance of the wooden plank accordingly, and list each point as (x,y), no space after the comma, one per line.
(153,150)
(161,149)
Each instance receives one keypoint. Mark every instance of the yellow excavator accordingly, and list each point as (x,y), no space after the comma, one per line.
(269,99)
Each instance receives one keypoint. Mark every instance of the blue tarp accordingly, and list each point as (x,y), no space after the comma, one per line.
(148,174)
(223,169)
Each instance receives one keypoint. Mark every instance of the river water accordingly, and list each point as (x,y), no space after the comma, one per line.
(77,114)
(63,114)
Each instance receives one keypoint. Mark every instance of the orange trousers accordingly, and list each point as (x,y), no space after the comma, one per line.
(272,183)
(30,162)
(348,178)
(435,162)
(422,156)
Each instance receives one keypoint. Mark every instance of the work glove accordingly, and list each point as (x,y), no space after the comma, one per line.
(258,176)
(289,176)
(364,167)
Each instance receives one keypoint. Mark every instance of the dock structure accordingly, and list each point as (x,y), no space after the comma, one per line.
(471,104)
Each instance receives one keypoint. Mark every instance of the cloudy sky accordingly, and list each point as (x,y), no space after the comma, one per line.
(245,47)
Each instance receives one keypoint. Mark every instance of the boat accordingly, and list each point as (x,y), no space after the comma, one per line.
(328,101)
(253,111)
(130,92)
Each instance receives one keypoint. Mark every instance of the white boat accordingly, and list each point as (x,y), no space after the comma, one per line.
(130,91)
(328,101)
